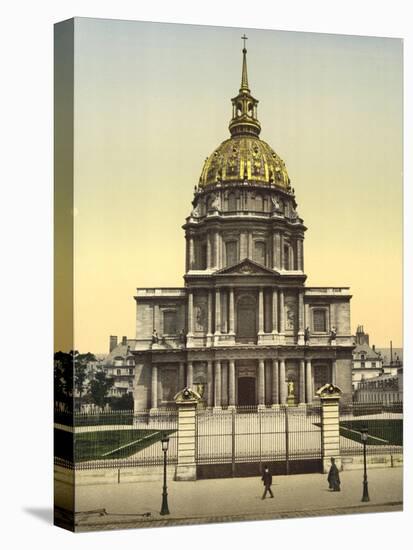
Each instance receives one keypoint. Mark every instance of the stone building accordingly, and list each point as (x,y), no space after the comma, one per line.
(367,362)
(120,366)
(244,330)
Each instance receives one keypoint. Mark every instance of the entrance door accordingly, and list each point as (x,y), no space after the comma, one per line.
(246,392)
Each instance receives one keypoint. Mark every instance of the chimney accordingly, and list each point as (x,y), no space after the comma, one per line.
(391,352)
(124,340)
(373,347)
(113,342)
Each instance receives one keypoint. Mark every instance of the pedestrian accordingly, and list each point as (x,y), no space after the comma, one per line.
(333,477)
(267,480)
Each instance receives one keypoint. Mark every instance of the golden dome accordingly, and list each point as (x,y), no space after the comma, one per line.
(244,158)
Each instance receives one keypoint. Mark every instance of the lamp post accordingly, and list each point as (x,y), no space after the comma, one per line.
(164,509)
(364,436)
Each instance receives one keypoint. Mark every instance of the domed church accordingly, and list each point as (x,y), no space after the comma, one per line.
(244,330)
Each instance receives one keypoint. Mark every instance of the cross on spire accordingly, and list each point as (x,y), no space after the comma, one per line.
(244,38)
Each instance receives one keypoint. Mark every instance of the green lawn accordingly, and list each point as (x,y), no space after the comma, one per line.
(104,445)
(387,431)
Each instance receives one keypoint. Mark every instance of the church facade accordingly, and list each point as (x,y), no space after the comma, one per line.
(244,330)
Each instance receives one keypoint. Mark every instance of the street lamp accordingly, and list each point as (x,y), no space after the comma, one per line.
(364,436)
(165,443)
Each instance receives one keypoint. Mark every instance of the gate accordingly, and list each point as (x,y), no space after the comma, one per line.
(238,442)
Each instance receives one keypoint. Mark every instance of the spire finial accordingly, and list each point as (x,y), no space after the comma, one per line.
(244,78)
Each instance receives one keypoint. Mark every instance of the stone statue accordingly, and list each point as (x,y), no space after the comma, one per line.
(333,333)
(290,387)
(307,335)
(155,337)
(215,203)
(275,204)
(195,211)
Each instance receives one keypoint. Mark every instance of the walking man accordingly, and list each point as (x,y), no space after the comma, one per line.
(267,480)
(333,477)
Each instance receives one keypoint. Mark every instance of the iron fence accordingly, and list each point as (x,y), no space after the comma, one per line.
(116,439)
(239,442)
(384,422)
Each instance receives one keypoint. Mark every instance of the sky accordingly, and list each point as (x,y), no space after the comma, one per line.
(153,100)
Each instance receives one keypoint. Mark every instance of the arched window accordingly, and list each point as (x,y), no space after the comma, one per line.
(260,252)
(232,202)
(231,250)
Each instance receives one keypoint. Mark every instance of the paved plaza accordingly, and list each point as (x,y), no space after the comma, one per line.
(138,504)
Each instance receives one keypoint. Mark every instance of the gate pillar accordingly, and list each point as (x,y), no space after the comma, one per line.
(330,425)
(186,401)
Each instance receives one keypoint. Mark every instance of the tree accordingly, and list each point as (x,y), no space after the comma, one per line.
(81,362)
(99,388)
(63,379)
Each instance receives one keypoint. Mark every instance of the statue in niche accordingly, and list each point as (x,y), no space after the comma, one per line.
(215,203)
(155,337)
(333,333)
(199,316)
(307,335)
(276,207)
(290,316)
(290,386)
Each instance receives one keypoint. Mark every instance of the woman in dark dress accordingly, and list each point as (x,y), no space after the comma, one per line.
(333,477)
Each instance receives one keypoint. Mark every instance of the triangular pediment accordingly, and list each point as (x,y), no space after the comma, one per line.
(246,267)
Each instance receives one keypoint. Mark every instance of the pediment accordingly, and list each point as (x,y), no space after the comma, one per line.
(246,267)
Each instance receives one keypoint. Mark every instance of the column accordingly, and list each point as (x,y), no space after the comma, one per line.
(274,251)
(261,311)
(220,262)
(308,383)
(224,311)
(306,315)
(281,251)
(208,243)
(300,339)
(282,323)
(217,250)
(283,387)
(224,384)
(190,312)
(210,311)
(301,311)
(302,382)
(189,374)
(231,383)
(290,257)
(275,310)
(181,375)
(243,253)
(261,383)
(300,265)
(191,253)
(217,311)
(210,382)
(334,372)
(217,384)
(154,387)
(275,383)
(250,246)
(231,311)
